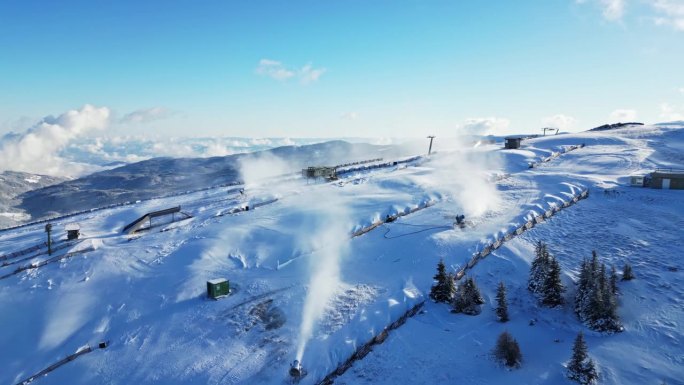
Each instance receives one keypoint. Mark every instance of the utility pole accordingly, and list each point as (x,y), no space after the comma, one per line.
(431,137)
(48,229)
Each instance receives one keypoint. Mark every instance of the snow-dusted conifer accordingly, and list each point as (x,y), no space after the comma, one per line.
(552,292)
(444,287)
(507,350)
(613,281)
(581,368)
(601,311)
(594,265)
(538,269)
(468,298)
(583,288)
(627,273)
(501,305)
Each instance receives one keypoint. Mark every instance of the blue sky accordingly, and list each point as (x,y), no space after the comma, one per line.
(342,68)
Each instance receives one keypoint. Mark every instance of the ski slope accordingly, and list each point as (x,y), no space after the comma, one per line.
(146,293)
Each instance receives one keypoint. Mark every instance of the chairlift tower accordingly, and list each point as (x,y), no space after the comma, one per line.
(550,129)
(431,137)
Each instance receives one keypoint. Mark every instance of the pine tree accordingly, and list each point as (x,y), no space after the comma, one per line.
(508,350)
(539,268)
(601,314)
(582,296)
(474,292)
(596,299)
(595,308)
(594,261)
(552,292)
(603,279)
(444,288)
(501,305)
(613,281)
(581,368)
(468,298)
(627,273)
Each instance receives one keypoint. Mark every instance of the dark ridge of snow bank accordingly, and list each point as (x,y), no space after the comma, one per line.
(614,126)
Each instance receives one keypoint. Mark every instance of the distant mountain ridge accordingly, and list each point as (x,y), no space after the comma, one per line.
(12,185)
(163,176)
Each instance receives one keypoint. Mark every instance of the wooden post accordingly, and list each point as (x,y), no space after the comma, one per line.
(48,229)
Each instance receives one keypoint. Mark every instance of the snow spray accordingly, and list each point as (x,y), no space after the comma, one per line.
(325,228)
(464,175)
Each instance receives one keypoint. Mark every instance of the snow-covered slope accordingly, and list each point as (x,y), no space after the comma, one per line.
(292,264)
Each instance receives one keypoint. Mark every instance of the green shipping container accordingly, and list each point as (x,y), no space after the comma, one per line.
(217,288)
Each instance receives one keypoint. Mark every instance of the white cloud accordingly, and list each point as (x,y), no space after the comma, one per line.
(613,9)
(309,74)
(670,12)
(278,71)
(484,126)
(351,115)
(681,90)
(623,115)
(145,115)
(559,121)
(37,149)
(662,12)
(670,113)
(273,69)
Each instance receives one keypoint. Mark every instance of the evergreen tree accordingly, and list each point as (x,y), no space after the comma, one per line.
(601,314)
(581,368)
(507,350)
(613,281)
(627,273)
(595,310)
(594,262)
(468,298)
(596,299)
(474,292)
(444,288)
(552,291)
(603,279)
(538,269)
(501,305)
(583,288)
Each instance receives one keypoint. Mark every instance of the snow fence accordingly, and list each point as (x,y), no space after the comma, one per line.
(366,348)
(536,219)
(556,154)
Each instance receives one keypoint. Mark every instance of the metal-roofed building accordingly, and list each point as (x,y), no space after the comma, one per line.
(668,178)
(513,142)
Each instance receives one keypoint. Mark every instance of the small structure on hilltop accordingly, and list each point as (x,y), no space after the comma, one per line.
(637,181)
(513,142)
(171,215)
(73,231)
(315,172)
(667,178)
(218,288)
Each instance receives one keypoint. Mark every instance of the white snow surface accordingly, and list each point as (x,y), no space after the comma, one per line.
(146,293)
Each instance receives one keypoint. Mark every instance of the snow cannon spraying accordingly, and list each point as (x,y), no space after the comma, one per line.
(296,370)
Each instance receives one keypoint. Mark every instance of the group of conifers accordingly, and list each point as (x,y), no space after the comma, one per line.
(595,304)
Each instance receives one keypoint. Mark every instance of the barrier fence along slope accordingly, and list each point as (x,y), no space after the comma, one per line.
(366,348)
